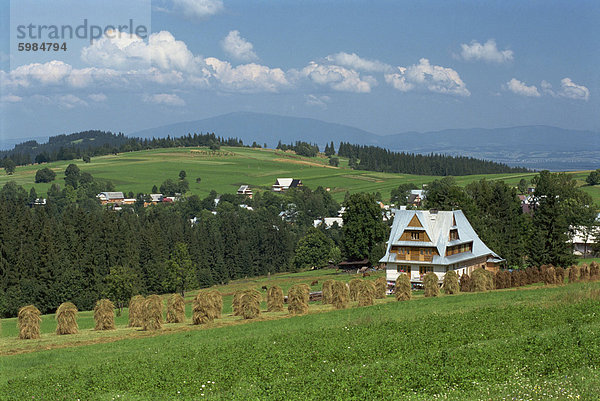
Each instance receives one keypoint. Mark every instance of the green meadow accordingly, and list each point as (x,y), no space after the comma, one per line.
(531,343)
(226,170)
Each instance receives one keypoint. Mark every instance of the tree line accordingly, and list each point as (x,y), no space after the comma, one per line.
(374,158)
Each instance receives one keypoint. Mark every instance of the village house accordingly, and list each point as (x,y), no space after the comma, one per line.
(245,190)
(416,197)
(435,241)
(282,184)
(116,198)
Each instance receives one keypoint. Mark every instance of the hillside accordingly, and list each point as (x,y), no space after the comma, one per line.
(226,170)
(530,343)
(538,147)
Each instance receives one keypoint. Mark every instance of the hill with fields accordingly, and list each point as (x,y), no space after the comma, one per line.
(534,343)
(538,147)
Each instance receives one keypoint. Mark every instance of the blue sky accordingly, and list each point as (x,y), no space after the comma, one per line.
(384,66)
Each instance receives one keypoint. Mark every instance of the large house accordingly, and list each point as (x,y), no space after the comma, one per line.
(111,198)
(435,241)
(281,184)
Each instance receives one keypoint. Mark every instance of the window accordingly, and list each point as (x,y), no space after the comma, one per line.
(414,236)
(453,235)
(425,269)
(421,251)
(403,269)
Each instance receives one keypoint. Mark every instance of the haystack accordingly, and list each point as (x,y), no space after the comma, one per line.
(402,290)
(354,286)
(366,293)
(380,288)
(175,309)
(465,283)
(340,295)
(298,297)
(450,285)
(574,274)
(104,315)
(66,319)
(135,311)
(29,321)
(560,275)
(250,304)
(482,280)
(275,299)
(584,272)
(217,302)
(235,304)
(550,275)
(594,271)
(203,308)
(430,283)
(327,292)
(152,313)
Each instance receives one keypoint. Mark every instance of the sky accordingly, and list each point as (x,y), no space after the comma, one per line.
(383,66)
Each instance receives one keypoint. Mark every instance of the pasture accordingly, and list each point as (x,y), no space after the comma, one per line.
(225,170)
(529,343)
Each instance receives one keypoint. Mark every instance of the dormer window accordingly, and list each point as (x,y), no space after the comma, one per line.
(453,235)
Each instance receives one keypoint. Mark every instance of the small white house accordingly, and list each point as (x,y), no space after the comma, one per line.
(434,241)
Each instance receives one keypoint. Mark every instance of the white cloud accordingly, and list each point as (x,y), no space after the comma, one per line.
(425,76)
(520,88)
(485,52)
(124,51)
(571,90)
(237,47)
(198,8)
(10,98)
(355,62)
(319,101)
(338,78)
(247,77)
(69,101)
(97,97)
(50,73)
(164,98)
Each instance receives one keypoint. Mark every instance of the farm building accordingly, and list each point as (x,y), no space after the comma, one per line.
(282,184)
(435,241)
(111,198)
(245,190)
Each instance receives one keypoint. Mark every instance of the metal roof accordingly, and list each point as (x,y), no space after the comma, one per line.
(437,226)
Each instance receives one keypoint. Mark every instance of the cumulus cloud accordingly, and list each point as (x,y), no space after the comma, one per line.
(247,77)
(424,76)
(167,99)
(337,77)
(9,98)
(316,100)
(355,62)
(198,8)
(571,90)
(238,47)
(97,97)
(488,52)
(521,88)
(69,101)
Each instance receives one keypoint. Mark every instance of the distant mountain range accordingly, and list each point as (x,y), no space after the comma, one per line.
(538,147)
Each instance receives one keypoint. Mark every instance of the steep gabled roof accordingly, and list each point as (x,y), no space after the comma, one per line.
(437,225)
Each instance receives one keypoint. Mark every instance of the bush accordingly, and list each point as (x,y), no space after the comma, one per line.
(175,309)
(29,321)
(104,315)
(482,280)
(135,311)
(66,319)
(450,285)
(152,313)
(430,282)
(327,292)
(402,289)
(275,299)
(366,293)
(44,175)
(298,297)
(340,295)
(380,288)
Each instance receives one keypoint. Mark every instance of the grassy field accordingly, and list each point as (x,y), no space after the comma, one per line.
(226,170)
(532,343)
